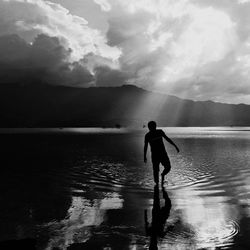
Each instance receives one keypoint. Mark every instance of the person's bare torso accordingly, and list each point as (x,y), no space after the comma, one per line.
(155,140)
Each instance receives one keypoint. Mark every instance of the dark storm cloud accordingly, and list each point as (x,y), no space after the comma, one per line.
(104,76)
(44,61)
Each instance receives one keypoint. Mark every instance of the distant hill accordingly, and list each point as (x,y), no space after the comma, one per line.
(60,106)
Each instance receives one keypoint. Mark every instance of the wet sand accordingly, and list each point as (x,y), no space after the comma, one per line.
(87,190)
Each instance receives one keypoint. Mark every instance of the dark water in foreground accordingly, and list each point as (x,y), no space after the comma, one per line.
(90,190)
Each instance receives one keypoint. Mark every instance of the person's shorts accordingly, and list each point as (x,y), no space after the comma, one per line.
(163,159)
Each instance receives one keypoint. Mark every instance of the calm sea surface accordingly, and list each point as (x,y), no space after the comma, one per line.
(89,189)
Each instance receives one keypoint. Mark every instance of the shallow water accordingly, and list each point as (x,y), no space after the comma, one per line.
(89,189)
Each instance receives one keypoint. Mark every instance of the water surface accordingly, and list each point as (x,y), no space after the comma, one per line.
(89,189)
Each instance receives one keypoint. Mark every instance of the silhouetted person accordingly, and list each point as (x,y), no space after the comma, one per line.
(158,151)
(159,218)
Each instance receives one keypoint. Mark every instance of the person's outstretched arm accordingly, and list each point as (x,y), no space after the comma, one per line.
(145,149)
(170,141)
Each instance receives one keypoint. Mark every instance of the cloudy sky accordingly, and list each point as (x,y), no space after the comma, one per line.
(195,49)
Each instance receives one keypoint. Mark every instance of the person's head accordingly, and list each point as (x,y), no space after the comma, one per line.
(152,125)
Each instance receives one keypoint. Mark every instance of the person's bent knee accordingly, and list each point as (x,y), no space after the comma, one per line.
(166,170)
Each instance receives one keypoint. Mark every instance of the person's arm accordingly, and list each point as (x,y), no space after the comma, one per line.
(170,141)
(145,149)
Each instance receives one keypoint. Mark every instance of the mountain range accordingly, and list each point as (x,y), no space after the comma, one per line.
(127,105)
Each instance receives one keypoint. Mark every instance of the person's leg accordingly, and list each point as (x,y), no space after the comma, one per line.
(166,169)
(167,166)
(156,172)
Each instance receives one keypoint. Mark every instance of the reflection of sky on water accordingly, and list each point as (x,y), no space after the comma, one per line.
(212,219)
(206,222)
(82,216)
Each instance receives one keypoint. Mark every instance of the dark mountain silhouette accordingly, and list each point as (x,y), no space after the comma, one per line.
(60,106)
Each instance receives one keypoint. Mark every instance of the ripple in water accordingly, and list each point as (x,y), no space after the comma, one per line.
(218,236)
(212,236)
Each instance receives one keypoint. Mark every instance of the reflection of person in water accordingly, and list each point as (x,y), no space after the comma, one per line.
(158,151)
(159,218)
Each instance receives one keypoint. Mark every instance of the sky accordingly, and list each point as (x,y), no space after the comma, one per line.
(193,49)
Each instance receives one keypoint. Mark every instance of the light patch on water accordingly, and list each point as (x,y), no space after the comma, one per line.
(112,202)
(211,218)
(82,216)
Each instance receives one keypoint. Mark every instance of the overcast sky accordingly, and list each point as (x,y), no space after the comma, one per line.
(196,49)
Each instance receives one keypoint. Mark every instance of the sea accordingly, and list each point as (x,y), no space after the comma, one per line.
(89,188)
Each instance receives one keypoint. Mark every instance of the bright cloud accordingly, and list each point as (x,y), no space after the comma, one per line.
(209,36)
(174,43)
(105,6)
(243,1)
(31,17)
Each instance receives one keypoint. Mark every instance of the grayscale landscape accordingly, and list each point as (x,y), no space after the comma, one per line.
(125,124)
